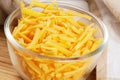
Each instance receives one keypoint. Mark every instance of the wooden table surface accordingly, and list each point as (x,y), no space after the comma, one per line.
(7,71)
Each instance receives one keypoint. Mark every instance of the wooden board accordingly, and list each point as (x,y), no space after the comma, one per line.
(110,69)
(7,72)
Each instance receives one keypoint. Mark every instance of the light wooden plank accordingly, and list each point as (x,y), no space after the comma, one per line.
(4,76)
(5,59)
(8,68)
(112,65)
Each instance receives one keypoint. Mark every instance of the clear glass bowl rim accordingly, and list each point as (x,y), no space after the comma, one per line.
(18,46)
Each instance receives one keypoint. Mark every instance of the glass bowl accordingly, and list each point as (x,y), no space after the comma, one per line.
(76,68)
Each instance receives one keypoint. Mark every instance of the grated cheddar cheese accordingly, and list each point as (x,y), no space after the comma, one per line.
(55,32)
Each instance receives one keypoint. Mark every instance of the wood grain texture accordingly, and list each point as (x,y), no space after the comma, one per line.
(7,72)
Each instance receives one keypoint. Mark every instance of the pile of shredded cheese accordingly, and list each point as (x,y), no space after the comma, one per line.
(55,32)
